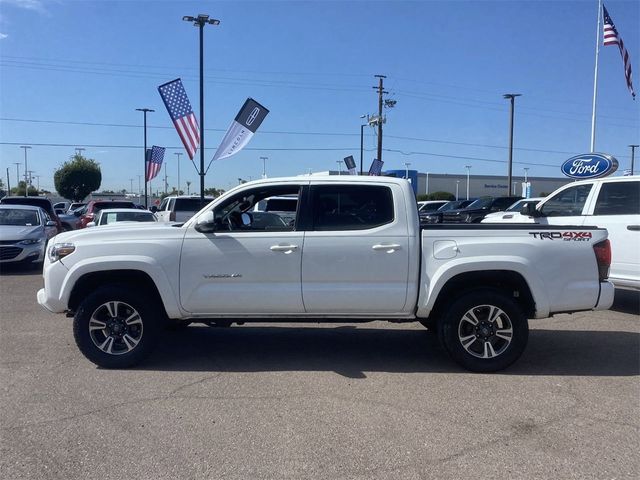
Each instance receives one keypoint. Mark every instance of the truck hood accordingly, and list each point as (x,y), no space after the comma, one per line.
(127,231)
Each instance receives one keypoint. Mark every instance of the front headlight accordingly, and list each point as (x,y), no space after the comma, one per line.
(30,241)
(60,250)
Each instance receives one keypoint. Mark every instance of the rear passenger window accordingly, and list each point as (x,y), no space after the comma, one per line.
(568,203)
(618,198)
(351,207)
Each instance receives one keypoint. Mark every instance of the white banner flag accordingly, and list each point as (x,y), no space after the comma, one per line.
(242,129)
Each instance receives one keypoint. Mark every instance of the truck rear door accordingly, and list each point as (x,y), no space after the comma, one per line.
(356,250)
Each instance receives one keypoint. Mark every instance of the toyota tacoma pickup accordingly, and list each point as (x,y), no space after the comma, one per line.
(354,253)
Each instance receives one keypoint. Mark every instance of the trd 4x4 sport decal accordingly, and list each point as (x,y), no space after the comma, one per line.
(566,236)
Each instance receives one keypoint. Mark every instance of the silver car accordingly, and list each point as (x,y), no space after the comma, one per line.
(24,233)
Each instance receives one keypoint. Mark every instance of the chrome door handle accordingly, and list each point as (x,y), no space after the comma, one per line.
(633,228)
(283,248)
(388,248)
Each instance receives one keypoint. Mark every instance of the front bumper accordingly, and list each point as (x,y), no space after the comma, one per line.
(51,296)
(15,253)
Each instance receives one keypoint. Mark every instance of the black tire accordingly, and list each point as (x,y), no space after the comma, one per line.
(133,329)
(497,339)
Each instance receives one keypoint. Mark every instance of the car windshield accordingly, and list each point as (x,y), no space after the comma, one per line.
(188,204)
(101,206)
(19,217)
(516,207)
(484,202)
(114,217)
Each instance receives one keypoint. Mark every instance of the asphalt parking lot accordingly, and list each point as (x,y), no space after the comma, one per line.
(319,401)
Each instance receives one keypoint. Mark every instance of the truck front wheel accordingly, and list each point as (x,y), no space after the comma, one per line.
(484,331)
(115,327)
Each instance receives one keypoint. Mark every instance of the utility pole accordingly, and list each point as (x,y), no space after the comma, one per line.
(8,183)
(511,97)
(264,166)
(633,153)
(381,92)
(17,164)
(145,111)
(178,155)
(26,183)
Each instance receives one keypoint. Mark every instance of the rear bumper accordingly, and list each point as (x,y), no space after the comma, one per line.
(607,292)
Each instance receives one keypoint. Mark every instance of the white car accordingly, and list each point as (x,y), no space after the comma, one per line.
(612,203)
(109,216)
(512,214)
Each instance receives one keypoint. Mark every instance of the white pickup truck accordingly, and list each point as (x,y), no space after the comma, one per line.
(355,253)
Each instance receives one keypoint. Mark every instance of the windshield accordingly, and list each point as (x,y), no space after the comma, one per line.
(16,217)
(138,216)
(484,202)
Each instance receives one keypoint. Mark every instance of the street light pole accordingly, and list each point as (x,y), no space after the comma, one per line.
(339,162)
(362,140)
(178,162)
(200,21)
(468,167)
(145,111)
(26,183)
(264,166)
(406,170)
(457,185)
(511,97)
(633,153)
(17,164)
(526,172)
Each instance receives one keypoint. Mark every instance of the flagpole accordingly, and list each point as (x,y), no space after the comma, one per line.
(595,81)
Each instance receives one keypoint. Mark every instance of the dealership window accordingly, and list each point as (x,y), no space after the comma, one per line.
(567,203)
(618,198)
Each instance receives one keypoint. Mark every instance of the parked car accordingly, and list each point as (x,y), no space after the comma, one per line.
(109,216)
(75,206)
(24,233)
(436,217)
(179,208)
(612,203)
(476,211)
(512,214)
(91,209)
(429,206)
(61,207)
(41,202)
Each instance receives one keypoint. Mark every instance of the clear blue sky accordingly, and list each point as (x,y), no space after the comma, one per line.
(65,65)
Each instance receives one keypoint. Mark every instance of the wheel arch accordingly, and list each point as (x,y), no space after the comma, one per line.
(510,283)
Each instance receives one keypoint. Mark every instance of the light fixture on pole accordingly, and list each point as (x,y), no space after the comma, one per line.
(264,166)
(633,153)
(406,170)
(26,182)
(177,154)
(468,167)
(200,21)
(511,97)
(144,156)
(362,140)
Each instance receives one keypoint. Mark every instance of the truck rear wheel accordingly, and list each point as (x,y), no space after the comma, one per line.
(484,331)
(115,327)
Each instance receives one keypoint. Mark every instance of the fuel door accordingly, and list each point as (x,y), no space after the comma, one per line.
(445,249)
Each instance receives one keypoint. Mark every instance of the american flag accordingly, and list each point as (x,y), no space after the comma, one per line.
(612,37)
(175,99)
(155,155)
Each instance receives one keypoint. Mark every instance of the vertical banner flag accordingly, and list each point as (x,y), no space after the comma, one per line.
(242,129)
(351,164)
(175,99)
(612,37)
(154,157)
(376,168)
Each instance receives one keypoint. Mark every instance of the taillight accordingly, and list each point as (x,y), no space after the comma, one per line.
(603,257)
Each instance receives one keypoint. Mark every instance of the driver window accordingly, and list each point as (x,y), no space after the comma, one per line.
(253,210)
(569,202)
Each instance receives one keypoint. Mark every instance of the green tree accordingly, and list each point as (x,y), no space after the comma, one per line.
(213,192)
(437,196)
(19,190)
(77,178)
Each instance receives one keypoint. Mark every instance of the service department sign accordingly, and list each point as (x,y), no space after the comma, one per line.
(589,165)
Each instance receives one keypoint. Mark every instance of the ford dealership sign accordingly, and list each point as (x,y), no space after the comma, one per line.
(589,165)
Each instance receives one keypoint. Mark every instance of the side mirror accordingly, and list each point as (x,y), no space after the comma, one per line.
(205,223)
(50,223)
(531,211)
(246,219)
(91,224)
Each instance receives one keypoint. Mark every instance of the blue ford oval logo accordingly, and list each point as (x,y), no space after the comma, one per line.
(589,165)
